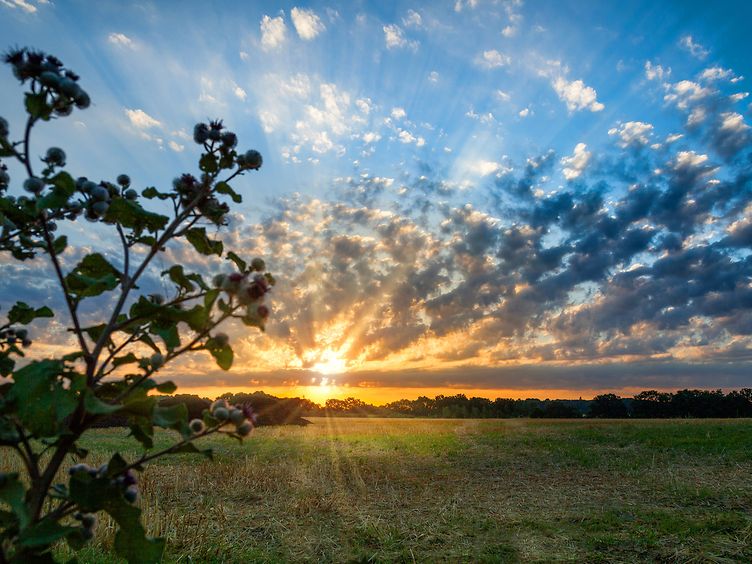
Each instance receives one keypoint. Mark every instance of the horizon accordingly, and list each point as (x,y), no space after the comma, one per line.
(496,198)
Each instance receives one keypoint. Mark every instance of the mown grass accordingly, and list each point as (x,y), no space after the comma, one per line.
(405,490)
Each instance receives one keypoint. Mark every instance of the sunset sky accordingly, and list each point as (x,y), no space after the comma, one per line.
(497,198)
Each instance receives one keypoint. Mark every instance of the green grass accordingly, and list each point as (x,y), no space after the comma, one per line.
(405,490)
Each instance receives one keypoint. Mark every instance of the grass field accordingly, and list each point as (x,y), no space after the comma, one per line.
(404,490)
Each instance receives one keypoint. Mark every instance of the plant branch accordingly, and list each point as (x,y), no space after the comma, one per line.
(64,286)
(27,135)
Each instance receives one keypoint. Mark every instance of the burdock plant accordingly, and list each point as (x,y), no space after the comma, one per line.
(47,405)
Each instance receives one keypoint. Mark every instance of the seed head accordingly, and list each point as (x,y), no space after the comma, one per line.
(197,426)
(244,429)
(131,494)
(55,156)
(157,360)
(201,133)
(221,413)
(34,185)
(4,130)
(124,180)
(237,416)
(258,265)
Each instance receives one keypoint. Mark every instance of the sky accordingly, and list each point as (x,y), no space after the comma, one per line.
(497,198)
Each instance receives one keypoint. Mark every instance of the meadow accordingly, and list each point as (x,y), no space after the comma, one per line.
(418,490)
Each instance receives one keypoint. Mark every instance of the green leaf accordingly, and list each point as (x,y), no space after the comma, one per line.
(208,163)
(93,276)
(125,359)
(7,364)
(171,417)
(96,406)
(169,334)
(13,494)
(209,299)
(130,214)
(150,193)
(167,387)
(222,355)
(23,313)
(43,533)
(224,188)
(239,262)
(59,244)
(37,107)
(178,277)
(63,187)
(43,401)
(197,237)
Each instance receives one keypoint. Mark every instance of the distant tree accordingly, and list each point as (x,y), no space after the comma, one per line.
(652,404)
(607,406)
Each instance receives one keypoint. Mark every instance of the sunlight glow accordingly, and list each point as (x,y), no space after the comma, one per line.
(329,363)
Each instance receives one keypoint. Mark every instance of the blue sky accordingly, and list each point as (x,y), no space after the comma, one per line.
(487,194)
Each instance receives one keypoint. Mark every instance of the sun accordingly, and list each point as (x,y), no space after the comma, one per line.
(330,362)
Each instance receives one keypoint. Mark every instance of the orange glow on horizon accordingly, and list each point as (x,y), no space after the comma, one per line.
(328,388)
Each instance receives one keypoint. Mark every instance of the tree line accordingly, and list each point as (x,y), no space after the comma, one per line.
(272,410)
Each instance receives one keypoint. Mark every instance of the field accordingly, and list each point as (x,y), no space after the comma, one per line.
(406,490)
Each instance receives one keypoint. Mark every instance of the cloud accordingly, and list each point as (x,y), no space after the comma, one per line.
(576,95)
(22,4)
(492,59)
(460,5)
(120,39)
(412,19)
(175,146)
(433,77)
(398,113)
(688,43)
(273,32)
(394,38)
(632,133)
(239,93)
(655,72)
(575,165)
(141,120)
(307,23)
(524,112)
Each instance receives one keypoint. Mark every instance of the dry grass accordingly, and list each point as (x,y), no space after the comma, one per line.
(402,490)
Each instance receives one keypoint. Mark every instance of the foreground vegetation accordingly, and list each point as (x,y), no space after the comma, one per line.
(453,490)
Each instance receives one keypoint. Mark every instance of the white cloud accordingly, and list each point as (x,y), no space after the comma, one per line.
(509,31)
(686,92)
(459,5)
(524,112)
(398,113)
(716,73)
(483,118)
(739,96)
(395,38)
(503,96)
(412,19)
(694,48)
(370,137)
(307,23)
(244,56)
(433,76)
(364,105)
(120,39)
(632,133)
(23,4)
(140,119)
(731,122)
(577,95)
(175,146)
(674,137)
(687,159)
(653,72)
(239,92)
(273,32)
(492,59)
(574,165)
(406,137)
